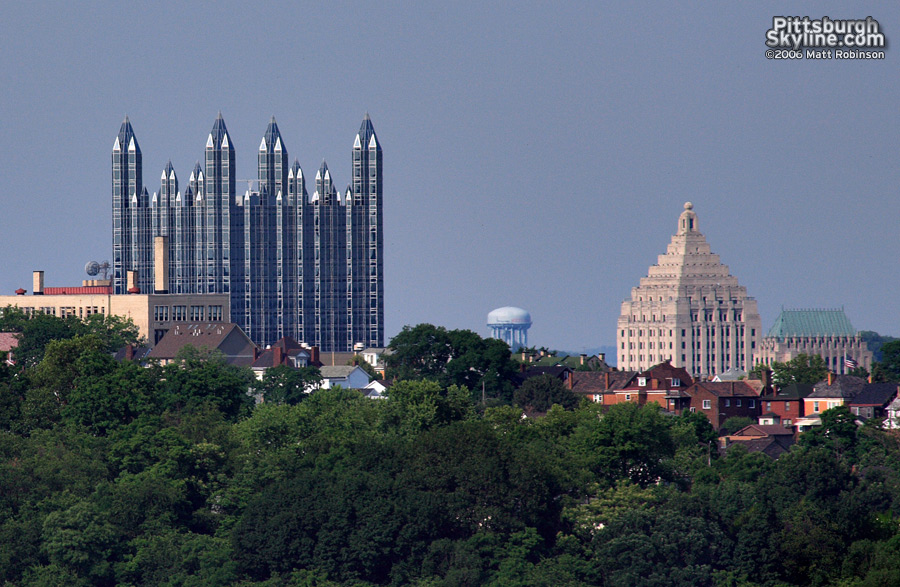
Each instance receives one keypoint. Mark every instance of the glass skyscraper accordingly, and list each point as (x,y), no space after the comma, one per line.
(292,265)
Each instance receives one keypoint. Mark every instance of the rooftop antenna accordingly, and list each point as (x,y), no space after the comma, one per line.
(93,268)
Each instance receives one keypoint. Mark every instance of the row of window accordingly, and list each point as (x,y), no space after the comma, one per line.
(707,404)
(710,332)
(181,314)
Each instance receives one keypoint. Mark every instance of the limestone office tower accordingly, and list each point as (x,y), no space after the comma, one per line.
(293,265)
(688,310)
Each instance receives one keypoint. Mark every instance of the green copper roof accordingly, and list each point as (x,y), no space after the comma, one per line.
(811,323)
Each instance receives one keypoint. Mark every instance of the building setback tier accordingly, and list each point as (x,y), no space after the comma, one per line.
(688,310)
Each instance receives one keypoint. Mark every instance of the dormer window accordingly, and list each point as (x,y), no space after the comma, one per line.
(676,382)
(642,381)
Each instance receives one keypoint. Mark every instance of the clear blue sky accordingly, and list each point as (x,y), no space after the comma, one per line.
(536,154)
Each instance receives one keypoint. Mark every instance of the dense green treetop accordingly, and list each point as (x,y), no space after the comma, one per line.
(112,473)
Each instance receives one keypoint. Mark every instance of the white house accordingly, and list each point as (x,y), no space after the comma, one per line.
(346,376)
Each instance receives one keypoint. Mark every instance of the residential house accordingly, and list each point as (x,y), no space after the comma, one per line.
(575,362)
(8,342)
(873,400)
(375,357)
(651,386)
(226,337)
(773,441)
(560,372)
(346,376)
(718,401)
(834,391)
(892,422)
(594,384)
(376,389)
(787,404)
(285,351)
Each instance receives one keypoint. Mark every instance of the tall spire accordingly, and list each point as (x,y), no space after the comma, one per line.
(365,138)
(273,162)
(126,137)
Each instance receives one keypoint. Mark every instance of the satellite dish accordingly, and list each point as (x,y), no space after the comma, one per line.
(92,268)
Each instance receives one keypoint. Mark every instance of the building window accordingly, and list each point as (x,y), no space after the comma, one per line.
(753,403)
(727,403)
(627,397)
(676,382)
(816,407)
(215,313)
(737,402)
(787,406)
(707,404)
(642,381)
(161,313)
(196,313)
(179,313)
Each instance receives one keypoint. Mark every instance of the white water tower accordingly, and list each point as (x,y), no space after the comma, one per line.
(510,325)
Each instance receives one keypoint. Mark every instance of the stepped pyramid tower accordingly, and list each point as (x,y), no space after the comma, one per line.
(688,310)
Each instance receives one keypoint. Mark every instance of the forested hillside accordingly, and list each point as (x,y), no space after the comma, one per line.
(113,473)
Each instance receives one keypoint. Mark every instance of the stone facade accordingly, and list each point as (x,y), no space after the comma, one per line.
(689,310)
(153,314)
(827,333)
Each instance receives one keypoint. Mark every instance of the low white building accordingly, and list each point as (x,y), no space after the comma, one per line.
(346,376)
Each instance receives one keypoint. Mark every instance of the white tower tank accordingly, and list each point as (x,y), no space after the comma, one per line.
(510,325)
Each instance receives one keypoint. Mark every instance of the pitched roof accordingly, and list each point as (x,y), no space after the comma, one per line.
(875,394)
(723,389)
(761,430)
(666,370)
(811,323)
(732,374)
(337,371)
(590,381)
(211,335)
(843,386)
(336,359)
(792,391)
(288,347)
(8,341)
(771,446)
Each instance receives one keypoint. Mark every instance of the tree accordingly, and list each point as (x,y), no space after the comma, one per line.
(419,352)
(541,392)
(630,442)
(888,369)
(366,366)
(838,431)
(286,385)
(809,369)
(455,357)
(200,376)
(735,423)
(37,330)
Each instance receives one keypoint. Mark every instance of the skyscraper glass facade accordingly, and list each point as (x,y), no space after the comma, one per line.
(293,265)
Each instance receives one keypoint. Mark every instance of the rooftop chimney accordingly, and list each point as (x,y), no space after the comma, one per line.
(830,378)
(161,264)
(131,280)
(37,283)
